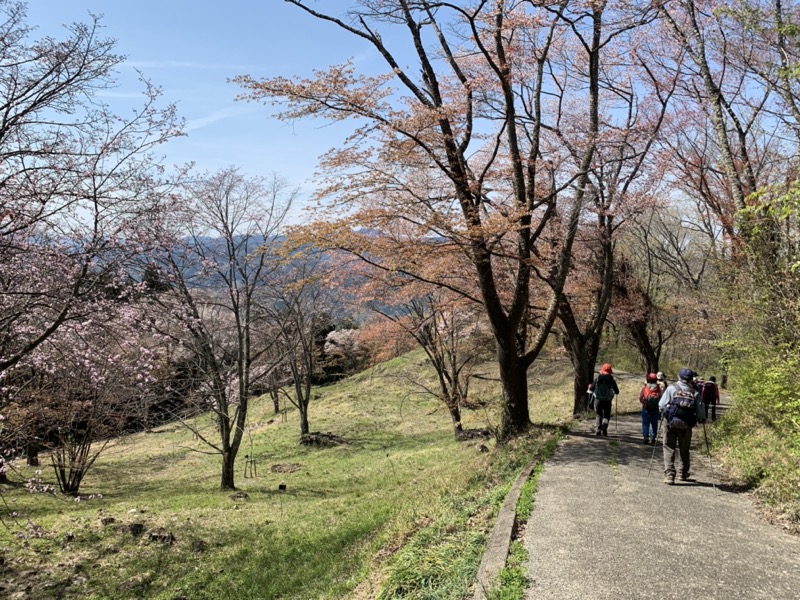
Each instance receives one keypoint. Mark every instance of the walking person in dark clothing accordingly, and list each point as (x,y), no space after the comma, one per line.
(604,388)
(710,397)
(682,409)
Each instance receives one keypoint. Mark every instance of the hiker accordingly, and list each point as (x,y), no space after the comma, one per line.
(682,409)
(710,396)
(649,396)
(662,381)
(697,382)
(604,388)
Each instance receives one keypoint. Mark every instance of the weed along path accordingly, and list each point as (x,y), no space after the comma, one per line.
(602,528)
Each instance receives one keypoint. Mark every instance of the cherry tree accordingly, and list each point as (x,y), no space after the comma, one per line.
(298,304)
(738,105)
(77,183)
(216,260)
(449,328)
(81,388)
(483,141)
(79,187)
(734,141)
(633,102)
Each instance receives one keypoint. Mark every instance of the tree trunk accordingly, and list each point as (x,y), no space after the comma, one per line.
(582,377)
(304,428)
(32,453)
(455,415)
(276,401)
(514,379)
(582,355)
(228,463)
(647,352)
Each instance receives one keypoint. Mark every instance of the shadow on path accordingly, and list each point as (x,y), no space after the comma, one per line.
(603,527)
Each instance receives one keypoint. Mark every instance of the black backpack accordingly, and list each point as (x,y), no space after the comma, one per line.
(603,392)
(681,412)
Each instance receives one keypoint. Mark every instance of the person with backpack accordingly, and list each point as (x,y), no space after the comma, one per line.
(682,409)
(648,398)
(604,388)
(662,381)
(710,396)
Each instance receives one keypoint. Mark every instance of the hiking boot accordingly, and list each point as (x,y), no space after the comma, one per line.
(685,476)
(669,478)
(598,432)
(605,431)
(646,441)
(653,441)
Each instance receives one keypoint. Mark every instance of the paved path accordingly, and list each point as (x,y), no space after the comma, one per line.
(602,528)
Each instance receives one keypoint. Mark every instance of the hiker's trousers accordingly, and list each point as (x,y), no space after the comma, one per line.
(680,439)
(650,420)
(603,410)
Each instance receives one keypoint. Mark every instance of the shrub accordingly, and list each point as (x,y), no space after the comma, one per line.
(760,434)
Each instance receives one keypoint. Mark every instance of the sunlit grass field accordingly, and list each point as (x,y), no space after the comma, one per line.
(400,511)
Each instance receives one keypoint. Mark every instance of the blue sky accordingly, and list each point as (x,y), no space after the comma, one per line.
(191,47)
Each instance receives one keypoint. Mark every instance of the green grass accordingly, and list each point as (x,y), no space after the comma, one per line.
(512,581)
(402,511)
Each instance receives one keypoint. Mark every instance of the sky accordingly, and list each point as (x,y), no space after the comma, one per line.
(190,48)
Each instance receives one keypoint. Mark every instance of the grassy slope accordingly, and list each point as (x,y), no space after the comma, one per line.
(401,511)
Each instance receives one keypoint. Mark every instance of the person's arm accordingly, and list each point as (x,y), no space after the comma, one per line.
(614,386)
(665,398)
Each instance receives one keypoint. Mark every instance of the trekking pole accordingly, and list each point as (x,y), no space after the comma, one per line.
(615,416)
(653,455)
(710,462)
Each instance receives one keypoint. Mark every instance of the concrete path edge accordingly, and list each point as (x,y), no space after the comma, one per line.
(496,553)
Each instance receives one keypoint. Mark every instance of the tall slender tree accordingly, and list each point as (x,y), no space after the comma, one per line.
(217,257)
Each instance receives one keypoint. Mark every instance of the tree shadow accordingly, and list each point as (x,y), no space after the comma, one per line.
(625,449)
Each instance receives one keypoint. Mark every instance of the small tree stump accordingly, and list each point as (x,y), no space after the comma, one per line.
(317,438)
(162,536)
(473,434)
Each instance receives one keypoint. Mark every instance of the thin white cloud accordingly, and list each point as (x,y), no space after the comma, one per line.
(222,114)
(184,64)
